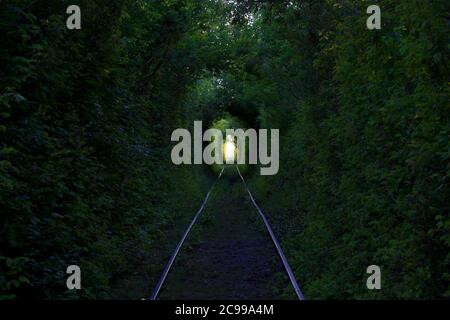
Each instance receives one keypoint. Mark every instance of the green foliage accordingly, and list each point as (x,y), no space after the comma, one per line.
(364,168)
(86,117)
(85,177)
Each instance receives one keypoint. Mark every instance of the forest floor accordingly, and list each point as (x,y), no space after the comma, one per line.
(229,254)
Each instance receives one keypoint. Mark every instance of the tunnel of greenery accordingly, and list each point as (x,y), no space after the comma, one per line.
(223,123)
(86,118)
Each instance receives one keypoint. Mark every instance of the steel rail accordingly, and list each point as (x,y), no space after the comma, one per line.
(291,275)
(164,274)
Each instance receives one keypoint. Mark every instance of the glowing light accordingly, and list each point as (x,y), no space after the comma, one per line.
(229,150)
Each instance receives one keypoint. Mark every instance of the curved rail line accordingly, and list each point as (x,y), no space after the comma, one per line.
(288,269)
(291,275)
(163,277)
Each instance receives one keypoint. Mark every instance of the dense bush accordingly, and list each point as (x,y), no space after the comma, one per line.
(85,173)
(86,117)
(364,167)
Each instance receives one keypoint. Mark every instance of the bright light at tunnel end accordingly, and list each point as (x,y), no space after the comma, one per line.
(230,150)
(257,150)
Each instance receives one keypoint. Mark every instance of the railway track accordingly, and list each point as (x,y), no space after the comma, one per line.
(287,268)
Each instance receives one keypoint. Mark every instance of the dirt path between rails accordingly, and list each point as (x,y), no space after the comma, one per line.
(228,255)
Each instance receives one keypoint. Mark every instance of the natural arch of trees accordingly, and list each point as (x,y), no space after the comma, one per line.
(86,117)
